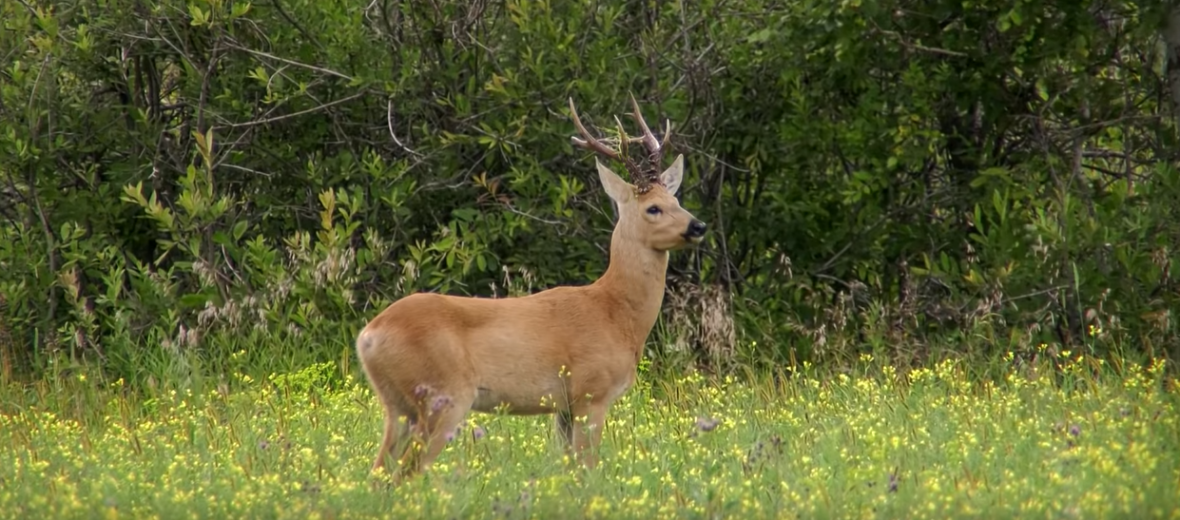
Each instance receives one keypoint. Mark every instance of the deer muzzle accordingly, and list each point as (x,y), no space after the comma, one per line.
(696,231)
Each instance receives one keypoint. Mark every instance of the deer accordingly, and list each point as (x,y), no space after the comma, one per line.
(571,351)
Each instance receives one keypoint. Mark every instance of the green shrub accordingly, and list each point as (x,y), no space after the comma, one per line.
(178,176)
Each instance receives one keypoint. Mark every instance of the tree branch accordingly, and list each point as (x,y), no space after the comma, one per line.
(289,61)
(389,123)
(295,114)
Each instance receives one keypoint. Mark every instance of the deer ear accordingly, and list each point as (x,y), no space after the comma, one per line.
(672,176)
(619,190)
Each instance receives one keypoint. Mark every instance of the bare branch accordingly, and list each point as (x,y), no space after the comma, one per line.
(389,122)
(290,62)
(919,47)
(529,215)
(32,11)
(245,169)
(206,80)
(702,151)
(283,12)
(295,114)
(1035,293)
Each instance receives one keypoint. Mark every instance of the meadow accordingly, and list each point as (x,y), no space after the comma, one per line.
(1072,437)
(203,201)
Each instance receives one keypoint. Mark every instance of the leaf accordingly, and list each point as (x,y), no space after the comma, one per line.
(1042,91)
(759,36)
(199,17)
(240,9)
(1000,202)
(194,301)
(239,230)
(221,239)
(259,73)
(1015,15)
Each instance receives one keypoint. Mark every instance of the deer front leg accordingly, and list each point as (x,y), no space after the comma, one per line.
(436,428)
(586,423)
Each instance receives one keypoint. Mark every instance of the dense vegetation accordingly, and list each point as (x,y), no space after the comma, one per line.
(183,180)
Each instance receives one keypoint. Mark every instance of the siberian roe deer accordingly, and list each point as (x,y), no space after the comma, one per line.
(572,351)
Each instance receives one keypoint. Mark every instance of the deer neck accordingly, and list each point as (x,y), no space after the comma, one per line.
(634,283)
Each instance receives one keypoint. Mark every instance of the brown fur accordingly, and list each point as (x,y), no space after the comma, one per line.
(571,350)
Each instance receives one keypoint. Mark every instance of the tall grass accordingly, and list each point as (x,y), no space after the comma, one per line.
(1071,438)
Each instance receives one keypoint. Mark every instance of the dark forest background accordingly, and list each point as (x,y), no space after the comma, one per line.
(217,183)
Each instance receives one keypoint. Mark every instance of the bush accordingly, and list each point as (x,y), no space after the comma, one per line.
(182,179)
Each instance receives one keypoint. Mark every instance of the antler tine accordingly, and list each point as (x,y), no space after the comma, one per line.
(590,143)
(654,149)
(667,133)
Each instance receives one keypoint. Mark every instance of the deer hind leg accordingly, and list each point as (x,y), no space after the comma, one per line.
(563,422)
(395,430)
(397,424)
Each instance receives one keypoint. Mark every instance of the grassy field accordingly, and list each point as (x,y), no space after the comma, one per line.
(1074,439)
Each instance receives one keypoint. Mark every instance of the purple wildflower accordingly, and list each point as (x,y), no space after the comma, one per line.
(422,390)
(707,424)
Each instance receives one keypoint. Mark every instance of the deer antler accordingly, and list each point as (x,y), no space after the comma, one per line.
(643,179)
(655,149)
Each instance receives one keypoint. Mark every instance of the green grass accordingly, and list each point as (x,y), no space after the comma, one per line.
(1076,440)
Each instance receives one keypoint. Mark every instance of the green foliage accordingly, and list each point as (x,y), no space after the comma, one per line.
(876,176)
(1065,437)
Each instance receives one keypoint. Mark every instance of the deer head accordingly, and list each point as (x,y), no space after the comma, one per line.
(649,213)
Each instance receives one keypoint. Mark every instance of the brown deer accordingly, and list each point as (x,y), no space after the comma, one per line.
(571,351)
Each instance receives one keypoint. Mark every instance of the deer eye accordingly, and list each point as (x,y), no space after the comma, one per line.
(654,210)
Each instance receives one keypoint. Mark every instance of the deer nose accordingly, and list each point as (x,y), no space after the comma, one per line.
(696,229)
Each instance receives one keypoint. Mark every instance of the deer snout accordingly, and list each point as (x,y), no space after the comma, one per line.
(695,232)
